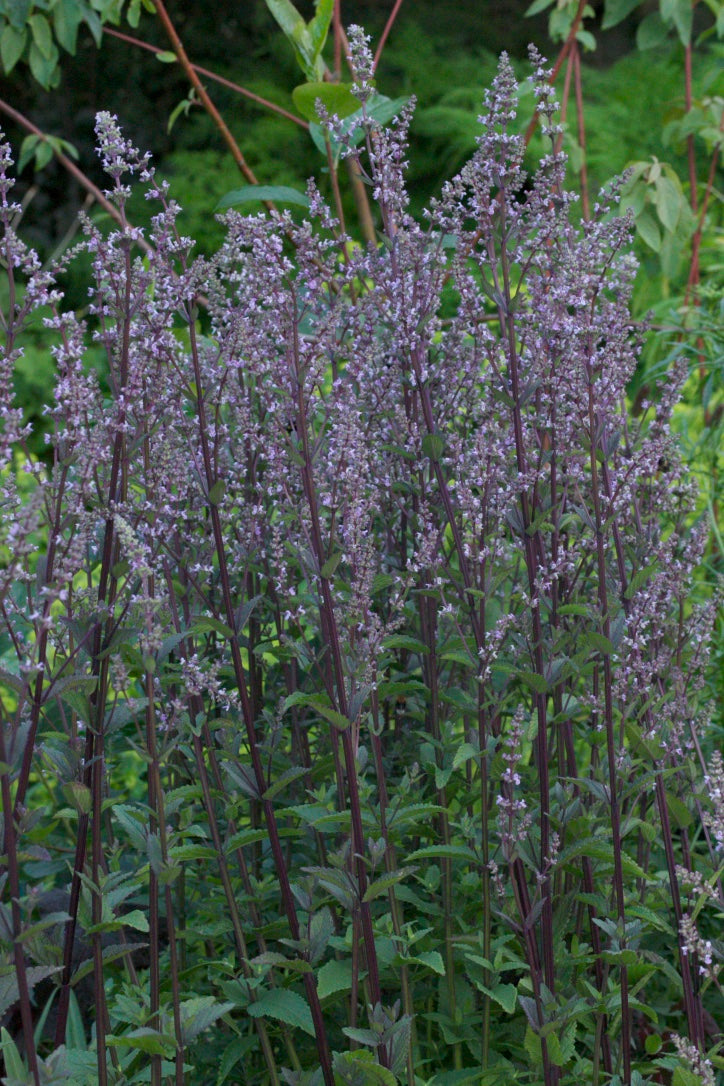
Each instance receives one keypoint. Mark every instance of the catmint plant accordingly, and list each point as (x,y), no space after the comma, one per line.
(348,646)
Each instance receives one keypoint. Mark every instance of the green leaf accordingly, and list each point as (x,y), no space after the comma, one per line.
(14,1065)
(306,46)
(280,194)
(17,12)
(94,25)
(216,494)
(668,202)
(652,31)
(207,624)
(334,717)
(334,977)
(200,1013)
(145,1040)
(382,885)
(463,754)
(286,1006)
(504,994)
(42,37)
(616,11)
(318,27)
(361,1067)
(166,56)
(681,14)
(598,642)
(285,778)
(43,68)
(27,150)
(403,641)
(532,679)
(537,7)
(433,446)
(12,45)
(447,852)
(648,229)
(330,565)
(431,959)
(337,98)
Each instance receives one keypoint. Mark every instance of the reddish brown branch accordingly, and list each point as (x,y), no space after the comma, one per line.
(71,167)
(386,32)
(213,76)
(575,27)
(195,81)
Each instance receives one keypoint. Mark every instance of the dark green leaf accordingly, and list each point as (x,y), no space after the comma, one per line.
(42,37)
(433,446)
(616,11)
(286,1006)
(200,1013)
(12,45)
(334,977)
(652,31)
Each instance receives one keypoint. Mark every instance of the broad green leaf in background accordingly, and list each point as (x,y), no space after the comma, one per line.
(337,99)
(616,11)
(378,109)
(253,193)
(12,44)
(306,39)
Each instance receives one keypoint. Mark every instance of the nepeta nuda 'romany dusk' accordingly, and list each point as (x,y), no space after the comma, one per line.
(360,552)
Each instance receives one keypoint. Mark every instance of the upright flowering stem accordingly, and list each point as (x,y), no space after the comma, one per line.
(310,984)
(332,639)
(614,742)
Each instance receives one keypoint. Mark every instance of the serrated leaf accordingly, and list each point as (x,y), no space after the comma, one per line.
(216,494)
(280,194)
(596,642)
(431,959)
(334,977)
(200,1013)
(445,852)
(463,754)
(145,1040)
(403,641)
(532,679)
(332,716)
(381,885)
(207,624)
(504,994)
(361,1066)
(330,565)
(285,778)
(433,446)
(286,1006)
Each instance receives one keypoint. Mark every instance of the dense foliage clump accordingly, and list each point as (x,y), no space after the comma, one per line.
(348,647)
